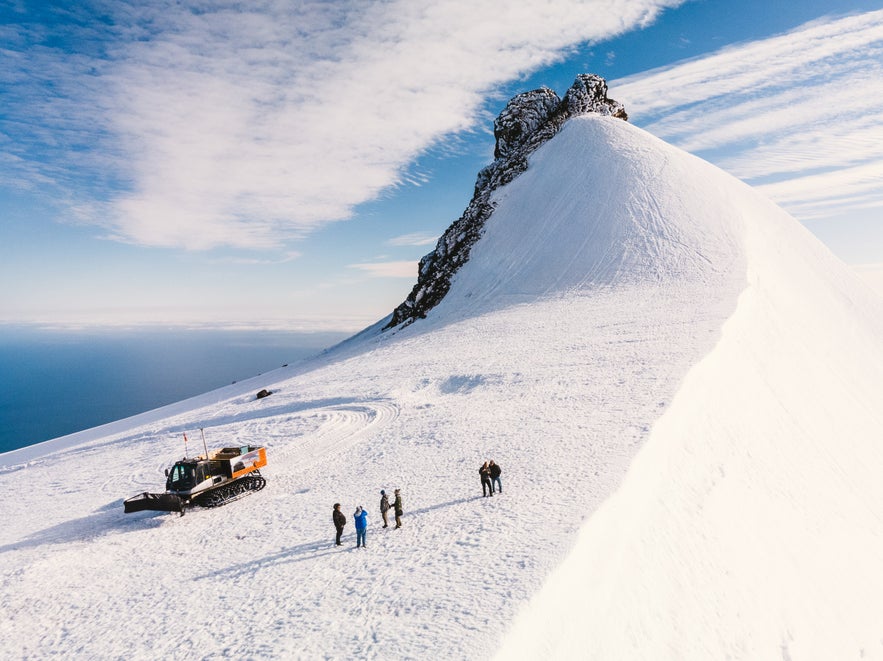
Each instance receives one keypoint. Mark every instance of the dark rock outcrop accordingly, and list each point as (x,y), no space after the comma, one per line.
(589,94)
(527,121)
(521,117)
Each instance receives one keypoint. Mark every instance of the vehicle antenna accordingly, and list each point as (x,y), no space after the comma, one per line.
(185,444)
(202,431)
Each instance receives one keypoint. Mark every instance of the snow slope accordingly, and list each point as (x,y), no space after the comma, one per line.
(751,524)
(682,387)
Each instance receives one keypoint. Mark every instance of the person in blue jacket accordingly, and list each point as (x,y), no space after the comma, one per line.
(360,516)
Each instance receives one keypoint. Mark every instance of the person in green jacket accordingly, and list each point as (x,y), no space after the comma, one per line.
(397,506)
(384,507)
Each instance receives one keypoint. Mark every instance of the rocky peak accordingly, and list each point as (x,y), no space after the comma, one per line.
(527,121)
(589,94)
(521,117)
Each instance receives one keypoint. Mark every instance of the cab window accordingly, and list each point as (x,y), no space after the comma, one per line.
(181,478)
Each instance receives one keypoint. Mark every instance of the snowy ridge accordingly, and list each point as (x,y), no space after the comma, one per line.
(749,525)
(681,386)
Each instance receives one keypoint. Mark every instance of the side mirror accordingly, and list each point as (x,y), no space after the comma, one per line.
(167,472)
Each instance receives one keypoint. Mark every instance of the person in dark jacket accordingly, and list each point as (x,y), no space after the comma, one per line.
(486,488)
(360,516)
(494,471)
(384,507)
(339,522)
(397,505)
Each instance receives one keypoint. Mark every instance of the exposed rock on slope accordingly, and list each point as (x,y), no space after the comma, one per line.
(527,121)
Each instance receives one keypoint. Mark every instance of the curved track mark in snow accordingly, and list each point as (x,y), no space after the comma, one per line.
(343,426)
(336,427)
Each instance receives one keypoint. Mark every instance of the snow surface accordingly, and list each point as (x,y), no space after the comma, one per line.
(684,390)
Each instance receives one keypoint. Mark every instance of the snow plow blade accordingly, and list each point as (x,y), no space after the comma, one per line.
(161,502)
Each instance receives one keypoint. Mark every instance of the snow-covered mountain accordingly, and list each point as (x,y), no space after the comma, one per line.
(684,390)
(528,121)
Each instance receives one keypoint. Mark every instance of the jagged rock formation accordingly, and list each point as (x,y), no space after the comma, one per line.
(527,121)
(521,117)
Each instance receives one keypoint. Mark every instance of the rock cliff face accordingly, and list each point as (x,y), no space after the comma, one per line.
(527,121)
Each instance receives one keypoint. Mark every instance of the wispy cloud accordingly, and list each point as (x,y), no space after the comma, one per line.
(389,269)
(799,114)
(416,239)
(251,124)
(284,258)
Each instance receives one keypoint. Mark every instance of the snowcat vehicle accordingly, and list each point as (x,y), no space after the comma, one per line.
(210,480)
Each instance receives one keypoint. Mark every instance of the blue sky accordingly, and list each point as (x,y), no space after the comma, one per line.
(285,164)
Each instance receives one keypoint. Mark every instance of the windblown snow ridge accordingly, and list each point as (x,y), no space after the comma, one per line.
(528,120)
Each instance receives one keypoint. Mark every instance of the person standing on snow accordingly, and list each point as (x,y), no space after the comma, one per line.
(486,488)
(360,516)
(339,522)
(494,471)
(384,507)
(397,504)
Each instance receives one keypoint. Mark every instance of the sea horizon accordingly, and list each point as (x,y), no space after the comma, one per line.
(59,381)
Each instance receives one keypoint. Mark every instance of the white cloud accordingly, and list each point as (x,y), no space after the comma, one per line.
(389,269)
(253,124)
(799,114)
(416,239)
(284,258)
(820,50)
(819,195)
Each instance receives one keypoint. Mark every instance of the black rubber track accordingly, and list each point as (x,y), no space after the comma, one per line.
(233,491)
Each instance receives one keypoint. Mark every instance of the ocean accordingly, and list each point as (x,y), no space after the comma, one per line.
(54,383)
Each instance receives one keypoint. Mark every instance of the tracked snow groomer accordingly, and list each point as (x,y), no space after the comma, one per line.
(210,480)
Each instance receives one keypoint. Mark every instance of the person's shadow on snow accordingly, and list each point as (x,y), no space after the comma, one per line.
(299,553)
(311,550)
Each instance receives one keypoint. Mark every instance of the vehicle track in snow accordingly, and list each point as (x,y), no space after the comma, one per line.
(299,439)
